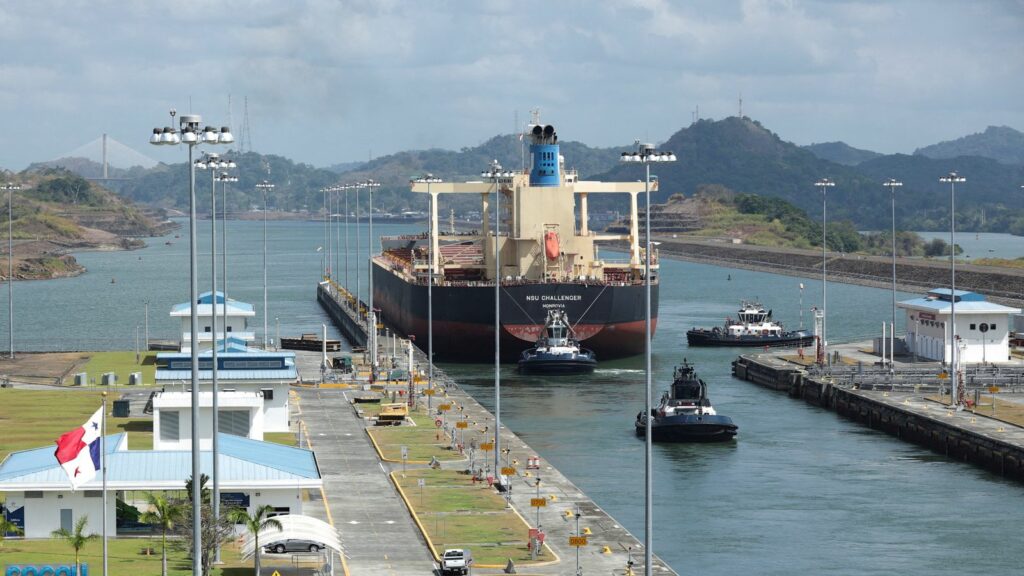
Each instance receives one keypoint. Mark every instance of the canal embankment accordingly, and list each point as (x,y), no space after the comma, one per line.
(907,402)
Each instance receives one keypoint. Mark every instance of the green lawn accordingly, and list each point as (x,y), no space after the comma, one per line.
(424,440)
(457,513)
(121,363)
(125,556)
(36,418)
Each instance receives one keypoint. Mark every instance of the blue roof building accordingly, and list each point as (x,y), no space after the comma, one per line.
(237,322)
(252,474)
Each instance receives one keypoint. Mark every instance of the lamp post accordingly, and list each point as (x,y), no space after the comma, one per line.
(646,154)
(892,184)
(356,186)
(495,173)
(327,246)
(265,187)
(192,135)
(954,366)
(224,178)
(10,187)
(431,210)
(824,184)
(372,316)
(346,188)
(213,162)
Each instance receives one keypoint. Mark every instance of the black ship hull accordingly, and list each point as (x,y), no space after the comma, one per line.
(554,364)
(705,337)
(688,428)
(608,319)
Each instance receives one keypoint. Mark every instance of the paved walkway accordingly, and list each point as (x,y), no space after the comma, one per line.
(379,535)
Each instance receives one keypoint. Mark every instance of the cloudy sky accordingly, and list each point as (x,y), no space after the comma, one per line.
(338,80)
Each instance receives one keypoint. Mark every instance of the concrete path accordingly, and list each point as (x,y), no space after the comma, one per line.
(378,534)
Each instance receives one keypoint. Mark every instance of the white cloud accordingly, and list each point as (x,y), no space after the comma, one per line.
(389,75)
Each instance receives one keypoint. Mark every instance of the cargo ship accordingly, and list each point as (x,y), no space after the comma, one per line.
(550,260)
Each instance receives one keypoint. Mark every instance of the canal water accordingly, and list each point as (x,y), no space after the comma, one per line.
(801,491)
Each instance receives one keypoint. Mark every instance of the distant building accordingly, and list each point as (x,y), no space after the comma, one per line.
(239,368)
(983,327)
(238,314)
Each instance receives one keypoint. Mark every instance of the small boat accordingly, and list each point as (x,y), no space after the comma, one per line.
(168,243)
(557,351)
(685,414)
(754,327)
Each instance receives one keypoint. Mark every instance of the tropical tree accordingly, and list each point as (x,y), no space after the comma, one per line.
(77,538)
(8,527)
(204,492)
(162,513)
(256,522)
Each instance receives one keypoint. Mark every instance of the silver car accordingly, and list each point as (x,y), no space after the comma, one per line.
(293,545)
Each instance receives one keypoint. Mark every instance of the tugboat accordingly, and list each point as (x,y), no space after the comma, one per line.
(754,327)
(685,413)
(557,351)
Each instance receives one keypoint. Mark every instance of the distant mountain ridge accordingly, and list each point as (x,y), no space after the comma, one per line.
(736,153)
(841,153)
(1000,143)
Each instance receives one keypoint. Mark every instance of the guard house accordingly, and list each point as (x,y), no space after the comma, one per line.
(983,327)
(237,323)
(260,376)
(252,474)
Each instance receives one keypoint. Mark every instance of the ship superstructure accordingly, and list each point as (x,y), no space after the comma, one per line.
(550,259)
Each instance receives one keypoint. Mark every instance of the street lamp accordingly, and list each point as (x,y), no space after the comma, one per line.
(431,233)
(346,188)
(372,316)
(892,184)
(324,272)
(224,178)
(265,187)
(954,365)
(824,184)
(10,187)
(192,134)
(645,154)
(495,173)
(214,162)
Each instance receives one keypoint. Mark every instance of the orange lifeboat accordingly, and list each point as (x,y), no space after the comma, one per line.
(551,245)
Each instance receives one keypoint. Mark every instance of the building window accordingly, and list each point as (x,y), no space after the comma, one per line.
(234,422)
(34,494)
(169,425)
(973,327)
(991,326)
(268,393)
(206,328)
(93,493)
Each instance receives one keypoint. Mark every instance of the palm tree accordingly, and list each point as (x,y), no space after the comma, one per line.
(8,527)
(162,513)
(76,538)
(257,521)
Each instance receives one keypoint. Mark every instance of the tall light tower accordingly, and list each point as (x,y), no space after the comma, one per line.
(824,184)
(495,173)
(892,184)
(372,316)
(192,134)
(954,355)
(265,187)
(10,187)
(224,178)
(646,154)
(431,243)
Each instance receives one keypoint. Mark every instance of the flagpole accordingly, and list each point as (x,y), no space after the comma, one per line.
(103,468)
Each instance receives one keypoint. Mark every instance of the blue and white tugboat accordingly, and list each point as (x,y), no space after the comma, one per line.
(557,351)
(685,413)
(753,327)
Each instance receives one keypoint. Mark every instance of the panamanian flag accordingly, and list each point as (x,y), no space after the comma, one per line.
(78,451)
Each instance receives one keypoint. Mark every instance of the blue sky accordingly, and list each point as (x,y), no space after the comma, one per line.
(331,81)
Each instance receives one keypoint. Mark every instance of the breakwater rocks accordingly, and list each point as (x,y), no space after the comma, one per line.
(1004,285)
